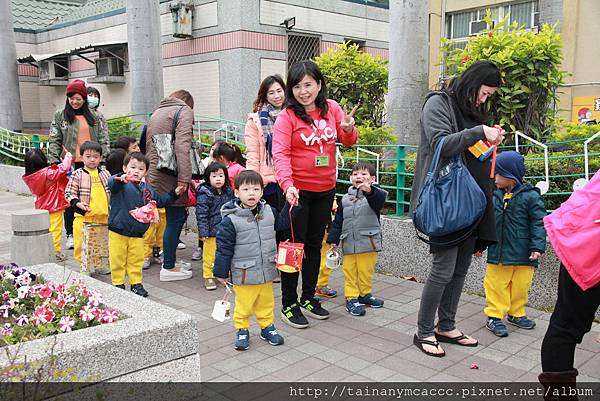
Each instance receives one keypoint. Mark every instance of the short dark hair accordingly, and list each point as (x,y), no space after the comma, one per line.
(94,91)
(35,160)
(123,142)
(114,161)
(139,156)
(230,152)
(249,177)
(214,167)
(90,145)
(364,166)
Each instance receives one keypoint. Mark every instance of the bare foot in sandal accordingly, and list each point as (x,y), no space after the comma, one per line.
(429,345)
(456,337)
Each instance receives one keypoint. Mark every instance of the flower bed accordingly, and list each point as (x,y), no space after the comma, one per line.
(33,308)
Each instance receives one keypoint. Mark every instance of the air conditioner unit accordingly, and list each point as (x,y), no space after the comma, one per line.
(49,70)
(109,66)
(477,27)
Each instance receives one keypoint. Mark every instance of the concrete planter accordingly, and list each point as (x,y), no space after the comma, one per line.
(153,343)
(405,255)
(11,179)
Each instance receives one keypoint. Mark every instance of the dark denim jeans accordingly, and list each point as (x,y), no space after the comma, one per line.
(176,217)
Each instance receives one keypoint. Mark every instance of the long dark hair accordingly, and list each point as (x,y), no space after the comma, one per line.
(465,88)
(70,112)
(261,97)
(296,73)
(213,168)
(229,152)
(35,160)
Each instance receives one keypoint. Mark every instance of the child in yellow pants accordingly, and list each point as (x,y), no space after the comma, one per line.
(323,289)
(210,197)
(153,240)
(48,184)
(126,234)
(88,193)
(357,226)
(245,246)
(521,237)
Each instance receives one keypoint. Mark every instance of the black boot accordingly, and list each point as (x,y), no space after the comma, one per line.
(559,385)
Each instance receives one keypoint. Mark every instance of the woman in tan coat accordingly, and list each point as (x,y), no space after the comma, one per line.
(161,122)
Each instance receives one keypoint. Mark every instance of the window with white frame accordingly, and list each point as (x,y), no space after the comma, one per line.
(461,25)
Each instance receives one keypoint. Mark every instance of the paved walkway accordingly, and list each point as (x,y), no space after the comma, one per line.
(376,347)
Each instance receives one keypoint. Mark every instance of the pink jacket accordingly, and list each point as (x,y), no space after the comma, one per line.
(574,231)
(233,170)
(256,149)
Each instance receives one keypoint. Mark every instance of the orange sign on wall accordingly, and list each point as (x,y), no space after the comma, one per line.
(586,108)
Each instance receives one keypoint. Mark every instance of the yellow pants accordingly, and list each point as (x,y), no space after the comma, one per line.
(255,300)
(154,235)
(209,251)
(324,271)
(506,289)
(358,273)
(56,224)
(78,231)
(126,256)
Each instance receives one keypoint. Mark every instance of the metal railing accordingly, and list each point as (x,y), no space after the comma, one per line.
(394,163)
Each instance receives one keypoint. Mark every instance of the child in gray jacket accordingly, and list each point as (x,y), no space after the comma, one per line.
(357,226)
(246,251)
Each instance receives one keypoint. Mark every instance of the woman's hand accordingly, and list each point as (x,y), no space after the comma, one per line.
(292,195)
(347,122)
(494,135)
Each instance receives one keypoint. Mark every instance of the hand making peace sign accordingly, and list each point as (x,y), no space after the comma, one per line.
(347,122)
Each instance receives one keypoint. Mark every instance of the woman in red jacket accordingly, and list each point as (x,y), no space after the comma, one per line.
(48,184)
(304,140)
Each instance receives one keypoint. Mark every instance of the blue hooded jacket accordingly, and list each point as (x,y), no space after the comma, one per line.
(128,196)
(208,208)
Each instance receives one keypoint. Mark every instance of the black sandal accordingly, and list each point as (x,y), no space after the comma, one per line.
(419,343)
(456,340)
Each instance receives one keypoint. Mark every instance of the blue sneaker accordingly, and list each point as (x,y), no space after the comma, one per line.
(242,340)
(354,307)
(370,300)
(497,327)
(521,322)
(271,335)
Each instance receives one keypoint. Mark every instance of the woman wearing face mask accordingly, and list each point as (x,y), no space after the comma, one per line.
(259,135)
(93,99)
(70,128)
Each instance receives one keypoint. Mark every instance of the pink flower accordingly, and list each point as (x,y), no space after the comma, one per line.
(5,295)
(95,298)
(7,329)
(23,291)
(60,302)
(42,315)
(110,316)
(66,324)
(23,279)
(97,312)
(86,314)
(22,320)
(69,298)
(45,292)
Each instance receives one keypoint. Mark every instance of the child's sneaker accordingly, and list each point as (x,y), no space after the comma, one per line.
(271,335)
(139,290)
(292,315)
(497,327)
(104,270)
(121,286)
(354,307)
(184,266)
(326,292)
(242,340)
(156,251)
(158,260)
(522,322)
(210,284)
(371,301)
(181,245)
(314,308)
(147,263)
(197,255)
(70,242)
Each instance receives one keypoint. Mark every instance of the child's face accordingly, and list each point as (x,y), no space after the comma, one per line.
(135,169)
(91,159)
(503,182)
(361,176)
(249,195)
(217,179)
(133,147)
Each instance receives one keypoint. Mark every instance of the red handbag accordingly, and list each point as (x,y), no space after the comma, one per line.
(289,254)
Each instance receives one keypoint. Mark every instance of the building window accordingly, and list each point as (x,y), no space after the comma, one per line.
(461,25)
(302,47)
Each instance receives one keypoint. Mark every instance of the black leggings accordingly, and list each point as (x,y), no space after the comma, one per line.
(309,228)
(572,317)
